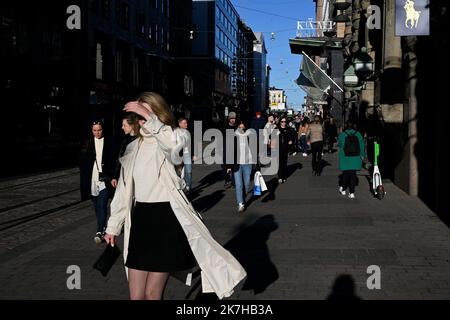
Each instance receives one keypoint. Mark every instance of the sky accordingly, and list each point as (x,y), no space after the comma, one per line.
(280,17)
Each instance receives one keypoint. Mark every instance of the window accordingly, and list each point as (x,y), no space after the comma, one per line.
(168,41)
(136,72)
(104,9)
(156,33)
(99,62)
(119,74)
(125,16)
(140,24)
(162,37)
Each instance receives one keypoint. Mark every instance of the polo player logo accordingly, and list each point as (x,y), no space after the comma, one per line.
(412,15)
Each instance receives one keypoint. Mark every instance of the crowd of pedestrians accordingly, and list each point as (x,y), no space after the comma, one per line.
(149,189)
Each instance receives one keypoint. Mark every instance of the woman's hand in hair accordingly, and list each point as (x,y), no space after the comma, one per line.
(140,109)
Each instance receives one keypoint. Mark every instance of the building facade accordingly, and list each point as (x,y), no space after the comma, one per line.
(73,61)
(277,100)
(222,49)
(260,73)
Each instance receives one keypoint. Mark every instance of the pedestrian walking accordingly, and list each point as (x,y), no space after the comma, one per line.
(285,141)
(330,133)
(315,136)
(302,131)
(182,135)
(97,174)
(227,168)
(351,155)
(244,159)
(162,231)
(130,127)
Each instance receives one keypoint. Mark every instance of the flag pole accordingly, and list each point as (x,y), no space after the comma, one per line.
(303,52)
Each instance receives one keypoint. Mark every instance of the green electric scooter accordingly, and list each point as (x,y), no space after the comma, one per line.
(377,184)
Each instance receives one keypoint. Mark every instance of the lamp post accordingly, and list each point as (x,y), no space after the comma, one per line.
(340,6)
(363,62)
(350,77)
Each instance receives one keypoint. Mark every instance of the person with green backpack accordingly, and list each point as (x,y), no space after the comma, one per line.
(351,155)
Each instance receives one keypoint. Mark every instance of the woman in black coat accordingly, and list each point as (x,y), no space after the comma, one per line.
(97,174)
(285,140)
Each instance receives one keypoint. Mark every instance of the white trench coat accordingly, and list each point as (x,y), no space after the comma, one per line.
(220,271)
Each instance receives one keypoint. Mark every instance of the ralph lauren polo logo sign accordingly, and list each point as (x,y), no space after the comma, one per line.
(412,18)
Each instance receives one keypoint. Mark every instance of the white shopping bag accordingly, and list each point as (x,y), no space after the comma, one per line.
(262,182)
(259,184)
(256,185)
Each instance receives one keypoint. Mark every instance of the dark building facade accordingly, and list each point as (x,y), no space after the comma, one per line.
(55,79)
(222,54)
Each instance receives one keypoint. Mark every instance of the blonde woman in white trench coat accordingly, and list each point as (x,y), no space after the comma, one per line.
(163,234)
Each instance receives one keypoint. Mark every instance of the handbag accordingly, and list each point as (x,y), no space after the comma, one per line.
(102,176)
(107,259)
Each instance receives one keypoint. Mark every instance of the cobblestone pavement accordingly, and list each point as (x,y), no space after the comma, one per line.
(296,241)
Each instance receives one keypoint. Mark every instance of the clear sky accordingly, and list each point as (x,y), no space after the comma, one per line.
(280,17)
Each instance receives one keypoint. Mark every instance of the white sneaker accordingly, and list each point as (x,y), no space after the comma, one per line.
(241,207)
(280,180)
(294,154)
(351,196)
(305,154)
(342,191)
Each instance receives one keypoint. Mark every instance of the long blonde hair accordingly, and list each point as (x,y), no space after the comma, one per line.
(159,107)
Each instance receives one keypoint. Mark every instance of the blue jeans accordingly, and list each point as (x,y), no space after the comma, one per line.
(101,209)
(188,175)
(303,144)
(242,179)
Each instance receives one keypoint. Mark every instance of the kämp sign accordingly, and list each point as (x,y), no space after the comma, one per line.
(412,18)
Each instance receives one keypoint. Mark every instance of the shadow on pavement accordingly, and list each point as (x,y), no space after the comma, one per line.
(205,203)
(250,248)
(272,185)
(343,289)
(206,182)
(293,167)
(322,165)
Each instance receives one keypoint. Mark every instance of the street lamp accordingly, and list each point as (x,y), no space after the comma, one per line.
(340,6)
(350,77)
(363,62)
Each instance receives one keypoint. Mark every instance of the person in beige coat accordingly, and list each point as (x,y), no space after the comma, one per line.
(163,233)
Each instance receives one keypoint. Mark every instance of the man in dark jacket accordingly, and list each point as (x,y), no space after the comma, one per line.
(257,124)
(97,174)
(229,168)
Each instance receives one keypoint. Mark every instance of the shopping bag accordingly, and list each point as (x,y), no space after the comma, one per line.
(262,183)
(256,184)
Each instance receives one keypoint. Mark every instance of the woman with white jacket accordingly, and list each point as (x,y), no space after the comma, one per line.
(163,233)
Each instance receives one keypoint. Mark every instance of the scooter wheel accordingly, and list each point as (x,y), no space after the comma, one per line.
(380,192)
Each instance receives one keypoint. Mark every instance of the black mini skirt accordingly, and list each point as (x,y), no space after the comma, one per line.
(157,242)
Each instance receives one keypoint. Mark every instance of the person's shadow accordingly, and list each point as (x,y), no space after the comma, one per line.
(205,203)
(204,183)
(322,164)
(250,248)
(343,289)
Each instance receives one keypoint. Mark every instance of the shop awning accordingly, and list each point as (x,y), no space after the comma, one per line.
(313,45)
